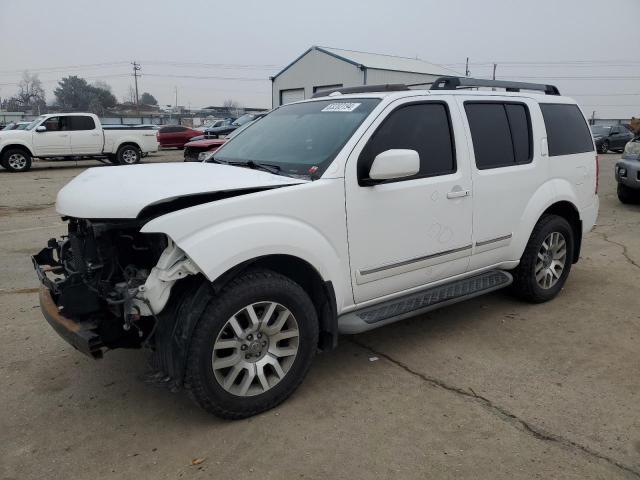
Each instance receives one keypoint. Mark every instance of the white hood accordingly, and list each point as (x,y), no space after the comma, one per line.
(123,191)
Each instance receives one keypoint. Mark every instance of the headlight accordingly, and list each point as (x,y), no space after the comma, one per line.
(205,156)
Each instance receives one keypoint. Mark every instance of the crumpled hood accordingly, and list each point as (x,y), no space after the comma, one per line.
(123,191)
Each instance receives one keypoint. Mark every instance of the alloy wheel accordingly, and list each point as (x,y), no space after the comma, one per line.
(130,156)
(551,261)
(255,348)
(17,161)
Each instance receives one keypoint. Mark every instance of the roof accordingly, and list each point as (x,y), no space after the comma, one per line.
(379,61)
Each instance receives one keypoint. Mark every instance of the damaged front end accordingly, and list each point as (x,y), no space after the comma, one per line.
(104,283)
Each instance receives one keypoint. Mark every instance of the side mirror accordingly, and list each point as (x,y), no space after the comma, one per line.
(394,164)
(41,128)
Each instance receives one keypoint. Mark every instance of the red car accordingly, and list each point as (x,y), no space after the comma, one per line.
(193,149)
(176,136)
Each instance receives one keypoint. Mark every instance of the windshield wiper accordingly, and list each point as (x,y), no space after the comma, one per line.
(275,169)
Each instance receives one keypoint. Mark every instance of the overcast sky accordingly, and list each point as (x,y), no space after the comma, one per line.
(590,49)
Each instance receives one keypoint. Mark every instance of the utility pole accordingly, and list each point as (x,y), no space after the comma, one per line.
(136,69)
(466,69)
(593,117)
(495,65)
(176,105)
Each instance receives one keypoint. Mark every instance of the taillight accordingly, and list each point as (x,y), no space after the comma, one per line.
(597,173)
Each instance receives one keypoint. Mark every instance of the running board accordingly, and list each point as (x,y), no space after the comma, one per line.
(416,303)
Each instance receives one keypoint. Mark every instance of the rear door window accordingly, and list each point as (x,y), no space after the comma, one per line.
(501,133)
(81,122)
(567,130)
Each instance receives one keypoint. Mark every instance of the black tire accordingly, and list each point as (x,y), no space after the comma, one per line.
(604,147)
(12,163)
(525,284)
(113,159)
(628,195)
(249,288)
(128,155)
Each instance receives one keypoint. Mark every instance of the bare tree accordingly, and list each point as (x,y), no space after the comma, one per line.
(30,94)
(130,96)
(233,108)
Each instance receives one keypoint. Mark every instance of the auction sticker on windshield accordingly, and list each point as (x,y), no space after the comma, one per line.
(341,107)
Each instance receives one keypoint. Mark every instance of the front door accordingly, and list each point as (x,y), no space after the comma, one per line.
(408,232)
(55,140)
(86,139)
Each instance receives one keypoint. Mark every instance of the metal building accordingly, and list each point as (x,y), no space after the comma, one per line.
(323,67)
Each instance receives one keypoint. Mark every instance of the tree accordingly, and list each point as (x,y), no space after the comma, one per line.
(30,96)
(233,108)
(130,97)
(147,99)
(102,85)
(75,94)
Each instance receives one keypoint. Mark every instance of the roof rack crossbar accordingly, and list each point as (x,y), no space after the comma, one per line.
(389,87)
(453,83)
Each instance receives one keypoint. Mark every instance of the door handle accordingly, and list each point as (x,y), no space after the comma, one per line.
(458,193)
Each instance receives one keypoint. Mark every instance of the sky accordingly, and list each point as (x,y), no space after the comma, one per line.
(210,51)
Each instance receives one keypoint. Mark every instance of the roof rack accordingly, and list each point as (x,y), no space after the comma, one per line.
(453,83)
(389,87)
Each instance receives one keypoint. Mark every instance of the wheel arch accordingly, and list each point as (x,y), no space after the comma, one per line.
(191,295)
(127,143)
(20,146)
(569,212)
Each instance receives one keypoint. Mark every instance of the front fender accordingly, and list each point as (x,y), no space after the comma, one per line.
(217,248)
(10,143)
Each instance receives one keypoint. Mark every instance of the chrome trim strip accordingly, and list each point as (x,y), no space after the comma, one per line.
(415,260)
(493,240)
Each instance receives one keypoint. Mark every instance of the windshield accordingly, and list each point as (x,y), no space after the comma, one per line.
(598,130)
(32,125)
(300,138)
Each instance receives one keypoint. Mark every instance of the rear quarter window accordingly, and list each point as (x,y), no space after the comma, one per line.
(567,130)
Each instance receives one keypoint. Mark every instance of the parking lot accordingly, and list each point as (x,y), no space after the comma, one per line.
(489,388)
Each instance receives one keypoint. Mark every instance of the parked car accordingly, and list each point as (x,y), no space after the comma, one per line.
(198,147)
(627,171)
(175,136)
(610,137)
(219,132)
(16,126)
(336,214)
(72,135)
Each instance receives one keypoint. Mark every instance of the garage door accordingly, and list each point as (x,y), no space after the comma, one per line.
(291,95)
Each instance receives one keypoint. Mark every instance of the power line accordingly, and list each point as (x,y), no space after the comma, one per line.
(207,77)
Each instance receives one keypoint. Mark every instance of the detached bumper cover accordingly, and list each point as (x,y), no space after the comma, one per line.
(82,335)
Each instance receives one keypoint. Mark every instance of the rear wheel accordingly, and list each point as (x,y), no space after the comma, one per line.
(253,345)
(128,155)
(604,147)
(546,261)
(16,160)
(628,195)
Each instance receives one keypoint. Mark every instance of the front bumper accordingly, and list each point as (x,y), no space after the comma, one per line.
(81,334)
(628,173)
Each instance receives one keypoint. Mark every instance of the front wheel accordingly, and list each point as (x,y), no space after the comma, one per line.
(252,346)
(546,261)
(128,155)
(16,160)
(604,147)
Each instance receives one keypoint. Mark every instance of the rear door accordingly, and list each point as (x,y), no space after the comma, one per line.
(412,231)
(507,170)
(55,140)
(86,137)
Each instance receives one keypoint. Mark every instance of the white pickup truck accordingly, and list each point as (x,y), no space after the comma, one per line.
(73,135)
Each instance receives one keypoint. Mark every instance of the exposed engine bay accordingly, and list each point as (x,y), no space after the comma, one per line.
(110,275)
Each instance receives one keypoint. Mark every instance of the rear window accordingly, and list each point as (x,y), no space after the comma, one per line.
(567,130)
(501,133)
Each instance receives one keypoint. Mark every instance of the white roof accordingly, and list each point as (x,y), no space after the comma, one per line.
(388,62)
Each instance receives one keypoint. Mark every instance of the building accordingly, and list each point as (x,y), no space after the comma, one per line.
(323,67)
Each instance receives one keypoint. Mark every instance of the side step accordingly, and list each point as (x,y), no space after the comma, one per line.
(416,303)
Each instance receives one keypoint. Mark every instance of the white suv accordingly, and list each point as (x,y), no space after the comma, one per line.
(338,214)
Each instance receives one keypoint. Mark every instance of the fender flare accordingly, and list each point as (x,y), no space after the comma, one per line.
(16,145)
